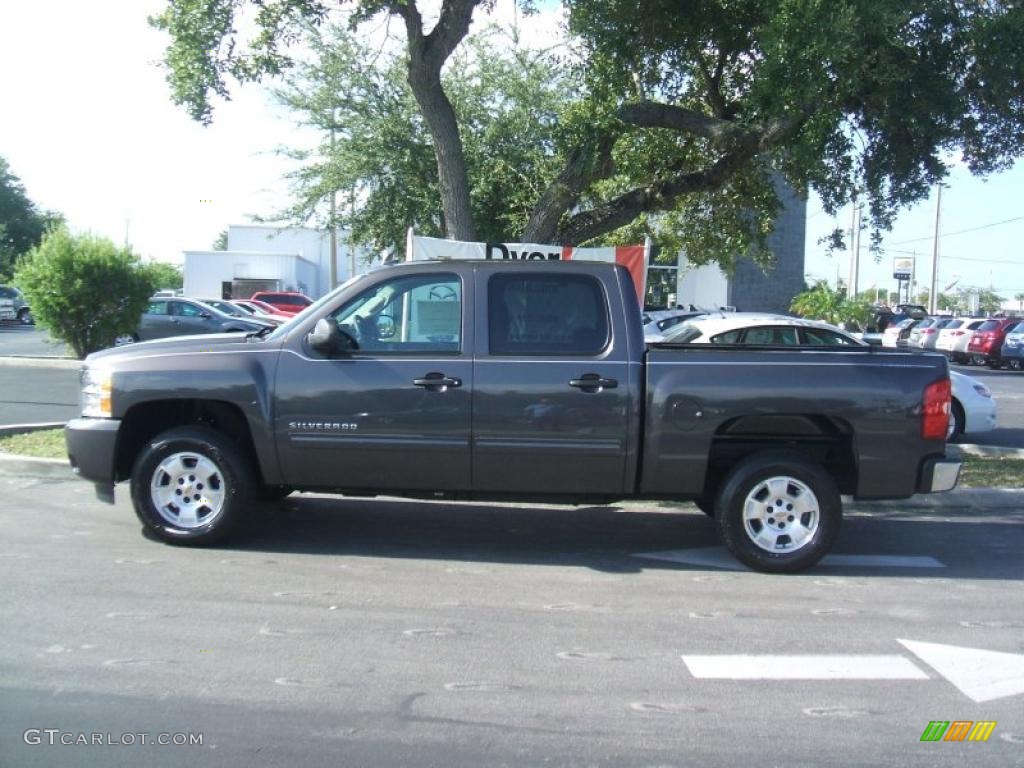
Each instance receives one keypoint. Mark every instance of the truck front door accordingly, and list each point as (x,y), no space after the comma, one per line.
(395,412)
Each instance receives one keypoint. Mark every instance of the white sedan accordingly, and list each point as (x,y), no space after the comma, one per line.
(973,409)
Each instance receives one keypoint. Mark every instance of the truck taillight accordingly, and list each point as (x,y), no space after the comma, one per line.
(935,413)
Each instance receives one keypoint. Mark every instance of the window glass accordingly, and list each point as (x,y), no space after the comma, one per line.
(729,337)
(182,309)
(989,325)
(683,333)
(770,336)
(415,313)
(157,308)
(954,324)
(823,337)
(552,314)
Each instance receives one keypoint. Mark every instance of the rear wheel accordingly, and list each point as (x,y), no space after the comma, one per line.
(778,513)
(190,485)
(956,421)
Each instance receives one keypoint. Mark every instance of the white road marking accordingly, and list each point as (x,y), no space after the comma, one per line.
(838,667)
(719,557)
(979,674)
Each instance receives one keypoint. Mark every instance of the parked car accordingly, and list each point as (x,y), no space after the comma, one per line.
(261,309)
(289,302)
(986,345)
(166,317)
(972,408)
(954,338)
(926,333)
(230,308)
(1013,347)
(897,334)
(14,307)
(659,321)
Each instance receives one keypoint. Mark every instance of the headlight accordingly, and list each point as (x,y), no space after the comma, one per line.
(96,389)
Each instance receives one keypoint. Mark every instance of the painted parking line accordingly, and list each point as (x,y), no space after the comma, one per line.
(979,674)
(719,557)
(797,667)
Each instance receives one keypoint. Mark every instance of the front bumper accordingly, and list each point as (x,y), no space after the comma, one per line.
(92,451)
(939,474)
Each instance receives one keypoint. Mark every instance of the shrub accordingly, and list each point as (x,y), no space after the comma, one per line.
(84,289)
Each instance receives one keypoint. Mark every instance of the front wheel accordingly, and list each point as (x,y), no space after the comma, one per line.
(25,316)
(778,513)
(191,485)
(956,421)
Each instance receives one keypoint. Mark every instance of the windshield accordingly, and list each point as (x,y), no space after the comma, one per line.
(287,327)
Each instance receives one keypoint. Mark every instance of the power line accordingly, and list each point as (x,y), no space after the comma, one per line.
(962,231)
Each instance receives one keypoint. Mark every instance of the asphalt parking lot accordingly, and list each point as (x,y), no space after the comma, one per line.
(387,632)
(384,632)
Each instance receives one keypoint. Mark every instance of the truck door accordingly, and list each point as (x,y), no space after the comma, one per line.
(395,412)
(551,400)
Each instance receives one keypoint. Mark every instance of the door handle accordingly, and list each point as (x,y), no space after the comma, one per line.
(437,382)
(592,382)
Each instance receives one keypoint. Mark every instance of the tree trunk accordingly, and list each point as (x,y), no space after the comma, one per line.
(451,160)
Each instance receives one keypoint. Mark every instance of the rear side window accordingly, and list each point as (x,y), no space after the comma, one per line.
(551,314)
(989,325)
(824,338)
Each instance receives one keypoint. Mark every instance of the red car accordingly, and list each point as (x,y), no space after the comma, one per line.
(289,302)
(985,347)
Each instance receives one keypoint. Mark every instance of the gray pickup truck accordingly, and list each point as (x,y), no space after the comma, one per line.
(492,380)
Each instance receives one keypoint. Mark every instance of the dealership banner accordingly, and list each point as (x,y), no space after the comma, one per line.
(632,257)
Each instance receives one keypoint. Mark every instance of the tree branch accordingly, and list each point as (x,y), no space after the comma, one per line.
(652,114)
(663,194)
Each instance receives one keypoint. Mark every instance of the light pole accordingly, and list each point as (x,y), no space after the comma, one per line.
(933,300)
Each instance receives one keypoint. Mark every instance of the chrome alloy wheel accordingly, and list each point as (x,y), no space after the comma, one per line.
(188,490)
(780,514)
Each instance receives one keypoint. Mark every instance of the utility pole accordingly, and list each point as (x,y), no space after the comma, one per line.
(933,300)
(334,228)
(852,287)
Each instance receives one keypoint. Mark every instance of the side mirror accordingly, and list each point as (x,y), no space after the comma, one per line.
(328,339)
(385,327)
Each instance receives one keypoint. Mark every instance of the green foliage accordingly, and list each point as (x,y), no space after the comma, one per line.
(83,289)
(832,306)
(163,275)
(221,243)
(376,155)
(22,224)
(684,117)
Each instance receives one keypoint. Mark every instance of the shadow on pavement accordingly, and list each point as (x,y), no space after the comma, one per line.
(979,544)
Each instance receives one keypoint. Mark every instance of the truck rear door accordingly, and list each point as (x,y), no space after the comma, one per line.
(552,394)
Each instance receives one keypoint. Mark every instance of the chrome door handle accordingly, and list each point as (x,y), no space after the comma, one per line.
(592,382)
(437,382)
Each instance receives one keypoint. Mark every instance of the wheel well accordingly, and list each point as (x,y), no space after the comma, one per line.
(822,440)
(145,421)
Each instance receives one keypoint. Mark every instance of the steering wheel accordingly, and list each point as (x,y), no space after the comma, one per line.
(442,293)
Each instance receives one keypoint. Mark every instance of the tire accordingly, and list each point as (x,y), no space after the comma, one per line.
(25,316)
(956,421)
(788,483)
(209,468)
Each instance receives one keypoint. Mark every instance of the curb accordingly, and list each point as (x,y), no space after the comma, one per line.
(985,451)
(29,361)
(6,430)
(11,464)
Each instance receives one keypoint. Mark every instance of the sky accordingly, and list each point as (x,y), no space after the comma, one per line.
(91,131)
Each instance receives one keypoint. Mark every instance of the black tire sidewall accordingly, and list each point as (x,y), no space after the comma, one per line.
(959,419)
(217,448)
(752,471)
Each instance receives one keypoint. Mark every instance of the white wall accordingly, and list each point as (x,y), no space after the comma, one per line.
(705,287)
(205,271)
(312,245)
